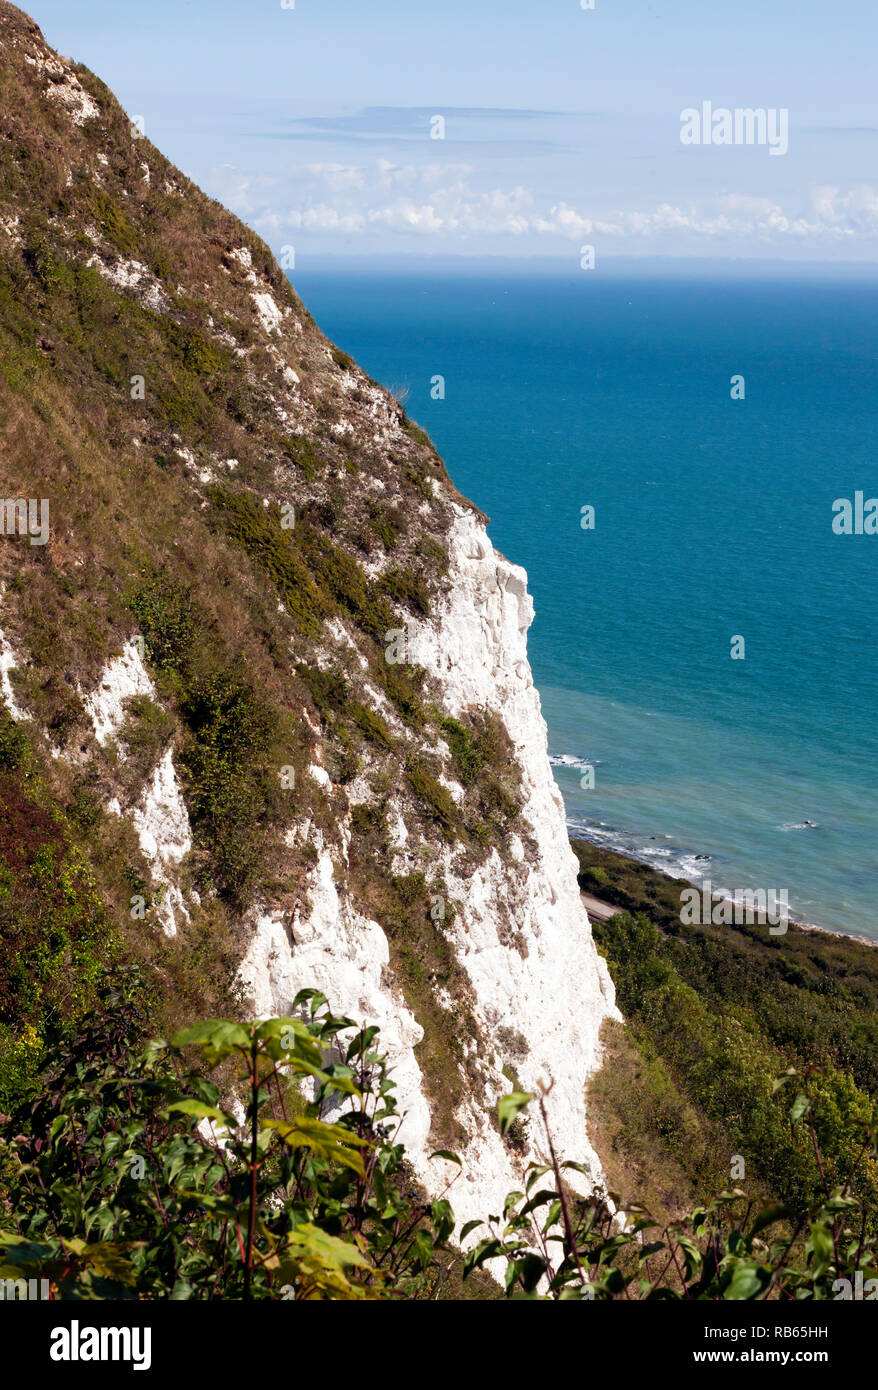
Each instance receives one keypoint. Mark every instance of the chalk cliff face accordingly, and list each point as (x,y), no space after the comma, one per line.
(521,933)
(269,669)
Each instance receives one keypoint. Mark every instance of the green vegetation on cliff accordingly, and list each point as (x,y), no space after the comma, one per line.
(714,1015)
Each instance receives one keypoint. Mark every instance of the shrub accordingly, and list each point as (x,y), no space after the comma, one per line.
(436,798)
(168,620)
(307,1197)
(557,1245)
(13,742)
(304,455)
(343,359)
(112,223)
(372,725)
(229,789)
(406,587)
(294,1205)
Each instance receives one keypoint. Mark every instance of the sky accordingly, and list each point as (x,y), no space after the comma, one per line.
(560,126)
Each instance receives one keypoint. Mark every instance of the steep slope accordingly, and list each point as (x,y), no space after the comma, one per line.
(267,716)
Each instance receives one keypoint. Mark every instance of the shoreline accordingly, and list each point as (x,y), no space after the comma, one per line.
(604,910)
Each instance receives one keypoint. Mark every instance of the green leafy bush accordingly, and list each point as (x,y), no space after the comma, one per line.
(13,742)
(130,1177)
(229,785)
(120,1188)
(165,611)
(556,1245)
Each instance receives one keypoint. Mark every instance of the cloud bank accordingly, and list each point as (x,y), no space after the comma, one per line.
(432,203)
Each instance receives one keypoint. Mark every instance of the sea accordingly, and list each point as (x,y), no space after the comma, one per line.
(705,642)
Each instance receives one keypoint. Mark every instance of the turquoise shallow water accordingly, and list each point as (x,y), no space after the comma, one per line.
(713,518)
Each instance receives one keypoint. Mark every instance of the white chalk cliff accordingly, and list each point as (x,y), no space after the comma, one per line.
(549,985)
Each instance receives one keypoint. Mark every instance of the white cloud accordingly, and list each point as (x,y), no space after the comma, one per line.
(829,215)
(439,201)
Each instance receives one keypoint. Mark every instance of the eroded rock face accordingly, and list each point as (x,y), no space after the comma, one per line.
(540,990)
(162,824)
(123,677)
(334,948)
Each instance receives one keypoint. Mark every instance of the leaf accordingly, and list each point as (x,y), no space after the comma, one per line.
(23,1253)
(747,1282)
(111,1261)
(553,1216)
(214,1202)
(535,1172)
(58,1125)
(837,1203)
(218,1037)
(443,1220)
(691,1255)
(333,1143)
(342,1082)
(820,1241)
(312,996)
(288,1040)
(446,1153)
(531,1270)
(424,1247)
(329,1250)
(468,1229)
(485,1250)
(511,1201)
(509,1106)
(545,1197)
(204,1112)
(578,1168)
(769,1215)
(361,1042)
(801,1106)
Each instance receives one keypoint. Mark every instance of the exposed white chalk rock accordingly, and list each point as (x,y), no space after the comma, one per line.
(10,225)
(162,824)
(65,88)
(123,677)
(135,277)
(520,930)
(265,304)
(319,775)
(268,312)
(160,819)
(8,662)
(341,952)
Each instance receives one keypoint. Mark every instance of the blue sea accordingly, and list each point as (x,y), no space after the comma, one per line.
(713,520)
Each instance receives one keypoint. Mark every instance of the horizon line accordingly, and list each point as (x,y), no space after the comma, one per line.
(655,265)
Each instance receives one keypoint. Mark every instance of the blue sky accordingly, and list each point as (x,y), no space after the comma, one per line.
(562,125)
